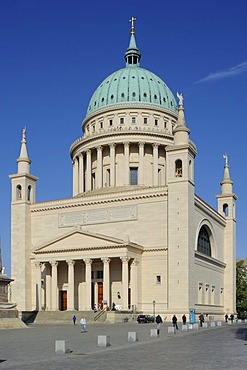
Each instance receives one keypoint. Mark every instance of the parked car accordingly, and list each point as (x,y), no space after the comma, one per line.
(145,318)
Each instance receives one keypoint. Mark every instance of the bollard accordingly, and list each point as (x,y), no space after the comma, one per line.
(132,336)
(219,323)
(153,333)
(191,326)
(171,330)
(204,325)
(212,324)
(195,326)
(61,347)
(104,341)
(185,327)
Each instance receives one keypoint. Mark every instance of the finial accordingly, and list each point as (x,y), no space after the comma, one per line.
(225,156)
(181,99)
(132,30)
(24,134)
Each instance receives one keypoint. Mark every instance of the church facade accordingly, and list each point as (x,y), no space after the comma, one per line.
(134,233)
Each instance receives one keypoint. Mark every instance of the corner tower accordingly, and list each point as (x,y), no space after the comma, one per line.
(227,208)
(180,182)
(23,195)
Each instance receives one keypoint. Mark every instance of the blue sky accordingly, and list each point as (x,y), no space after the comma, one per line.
(54,54)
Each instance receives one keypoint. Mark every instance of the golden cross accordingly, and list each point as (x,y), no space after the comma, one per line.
(132,20)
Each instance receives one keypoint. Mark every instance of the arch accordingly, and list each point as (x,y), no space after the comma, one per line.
(18,192)
(178,168)
(225,209)
(203,241)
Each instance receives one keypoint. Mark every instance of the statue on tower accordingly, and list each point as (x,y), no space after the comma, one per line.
(225,156)
(181,99)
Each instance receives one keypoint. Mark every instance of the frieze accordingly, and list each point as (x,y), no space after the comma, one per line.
(98,216)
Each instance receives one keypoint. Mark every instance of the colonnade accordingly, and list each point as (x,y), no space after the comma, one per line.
(50,289)
(80,186)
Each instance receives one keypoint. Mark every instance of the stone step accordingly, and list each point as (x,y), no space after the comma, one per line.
(66,316)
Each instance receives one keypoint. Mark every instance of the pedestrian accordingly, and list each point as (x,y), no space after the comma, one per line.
(226,317)
(184,319)
(83,325)
(201,319)
(95,308)
(174,322)
(232,317)
(74,319)
(158,322)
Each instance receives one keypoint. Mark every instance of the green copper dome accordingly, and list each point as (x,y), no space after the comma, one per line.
(132,86)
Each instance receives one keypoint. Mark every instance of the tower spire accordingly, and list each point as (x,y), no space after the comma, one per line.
(23,160)
(181,132)
(226,184)
(132,55)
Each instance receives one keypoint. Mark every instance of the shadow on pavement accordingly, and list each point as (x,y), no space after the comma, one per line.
(241,333)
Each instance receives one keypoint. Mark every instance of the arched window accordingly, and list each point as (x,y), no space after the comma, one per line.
(29,189)
(18,192)
(178,168)
(203,243)
(225,209)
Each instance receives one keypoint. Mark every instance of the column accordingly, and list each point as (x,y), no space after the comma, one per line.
(106,280)
(112,164)
(38,266)
(89,171)
(99,167)
(88,263)
(81,173)
(134,284)
(155,164)
(141,164)
(54,288)
(126,163)
(125,281)
(71,286)
(75,176)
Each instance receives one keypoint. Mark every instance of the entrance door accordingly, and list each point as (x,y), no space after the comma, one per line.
(100,295)
(63,300)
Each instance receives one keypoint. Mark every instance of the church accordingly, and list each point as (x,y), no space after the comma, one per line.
(134,234)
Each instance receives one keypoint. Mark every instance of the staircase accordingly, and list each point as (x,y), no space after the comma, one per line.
(44,317)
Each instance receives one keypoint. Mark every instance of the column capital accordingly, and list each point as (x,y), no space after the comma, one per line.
(155,145)
(124,259)
(99,148)
(70,262)
(126,144)
(106,260)
(141,144)
(135,262)
(54,263)
(88,151)
(112,145)
(38,264)
(88,261)
(82,154)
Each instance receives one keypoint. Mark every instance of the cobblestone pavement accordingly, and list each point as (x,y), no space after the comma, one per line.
(208,349)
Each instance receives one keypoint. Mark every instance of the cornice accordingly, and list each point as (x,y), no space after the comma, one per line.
(157,249)
(122,131)
(69,250)
(206,208)
(87,199)
(210,260)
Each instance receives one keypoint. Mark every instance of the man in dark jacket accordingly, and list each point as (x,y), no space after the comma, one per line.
(174,321)
(158,322)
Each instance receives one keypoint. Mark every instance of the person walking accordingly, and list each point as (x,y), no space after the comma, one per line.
(74,319)
(184,319)
(226,317)
(174,322)
(158,322)
(201,319)
(83,325)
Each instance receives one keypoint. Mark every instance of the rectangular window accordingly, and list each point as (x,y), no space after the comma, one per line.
(165,124)
(133,119)
(110,122)
(145,120)
(133,175)
(101,124)
(158,279)
(99,274)
(121,120)
(156,122)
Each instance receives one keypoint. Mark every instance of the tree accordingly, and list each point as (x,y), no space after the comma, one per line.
(241,288)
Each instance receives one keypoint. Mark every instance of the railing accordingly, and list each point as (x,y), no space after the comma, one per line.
(100,314)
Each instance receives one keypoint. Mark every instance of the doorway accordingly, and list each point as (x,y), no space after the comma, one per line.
(100,295)
(63,300)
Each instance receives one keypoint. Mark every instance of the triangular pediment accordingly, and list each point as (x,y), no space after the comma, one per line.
(78,240)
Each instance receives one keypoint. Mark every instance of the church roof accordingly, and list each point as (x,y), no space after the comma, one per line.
(132,86)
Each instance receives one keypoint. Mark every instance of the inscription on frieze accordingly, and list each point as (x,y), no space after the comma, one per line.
(98,216)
